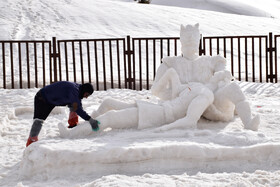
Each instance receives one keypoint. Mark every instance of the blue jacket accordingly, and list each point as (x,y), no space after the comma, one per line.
(65,93)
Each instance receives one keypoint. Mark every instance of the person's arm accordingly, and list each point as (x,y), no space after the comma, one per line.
(94,123)
(82,113)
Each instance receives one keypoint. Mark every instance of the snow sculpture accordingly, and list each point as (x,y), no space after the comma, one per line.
(183,111)
(208,70)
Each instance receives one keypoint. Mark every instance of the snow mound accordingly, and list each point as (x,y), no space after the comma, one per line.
(134,152)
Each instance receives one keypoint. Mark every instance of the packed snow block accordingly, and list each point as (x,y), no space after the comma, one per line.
(134,152)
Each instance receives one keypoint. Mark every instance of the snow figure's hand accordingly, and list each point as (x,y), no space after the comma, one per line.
(221,75)
(219,79)
(166,127)
(160,129)
(226,77)
(219,63)
(182,123)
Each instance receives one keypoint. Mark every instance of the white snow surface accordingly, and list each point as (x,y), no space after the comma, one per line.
(68,19)
(214,154)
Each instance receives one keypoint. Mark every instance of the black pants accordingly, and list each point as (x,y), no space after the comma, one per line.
(42,108)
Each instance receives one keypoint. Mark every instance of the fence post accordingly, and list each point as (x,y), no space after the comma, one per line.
(200,46)
(129,53)
(54,55)
(270,50)
(201,51)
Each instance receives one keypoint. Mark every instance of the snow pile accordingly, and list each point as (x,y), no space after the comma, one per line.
(132,152)
(70,19)
(173,156)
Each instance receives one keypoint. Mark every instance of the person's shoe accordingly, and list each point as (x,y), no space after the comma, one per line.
(31,140)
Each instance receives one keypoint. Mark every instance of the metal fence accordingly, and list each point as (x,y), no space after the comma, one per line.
(25,64)
(127,62)
(100,61)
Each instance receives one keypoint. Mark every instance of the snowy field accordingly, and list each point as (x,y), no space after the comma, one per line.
(213,154)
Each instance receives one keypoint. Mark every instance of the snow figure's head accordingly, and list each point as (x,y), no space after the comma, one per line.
(190,37)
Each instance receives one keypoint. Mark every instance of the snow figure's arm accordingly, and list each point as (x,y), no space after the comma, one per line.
(168,86)
(219,79)
(161,69)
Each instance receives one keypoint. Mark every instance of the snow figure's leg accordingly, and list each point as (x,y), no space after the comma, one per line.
(111,104)
(168,86)
(244,112)
(121,119)
(82,130)
(126,118)
(195,109)
(234,93)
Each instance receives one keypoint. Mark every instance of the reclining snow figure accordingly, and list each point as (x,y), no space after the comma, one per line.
(208,70)
(183,111)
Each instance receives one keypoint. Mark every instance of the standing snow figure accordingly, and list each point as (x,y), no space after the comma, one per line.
(181,112)
(209,70)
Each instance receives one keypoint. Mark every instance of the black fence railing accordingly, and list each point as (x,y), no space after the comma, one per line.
(127,62)
(100,61)
(25,64)
(248,55)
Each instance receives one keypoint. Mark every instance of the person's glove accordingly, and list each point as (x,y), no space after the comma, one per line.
(73,119)
(94,124)
(31,140)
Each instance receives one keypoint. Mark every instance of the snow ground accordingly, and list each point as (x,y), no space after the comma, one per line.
(223,153)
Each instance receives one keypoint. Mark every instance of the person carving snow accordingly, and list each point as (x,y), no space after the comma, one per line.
(210,71)
(59,94)
(183,111)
